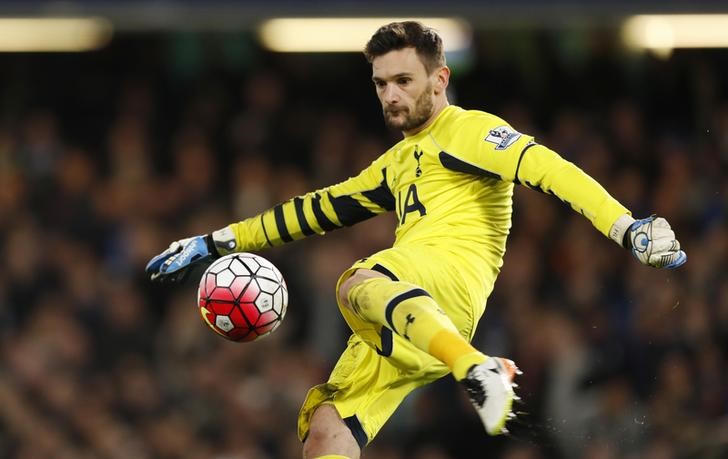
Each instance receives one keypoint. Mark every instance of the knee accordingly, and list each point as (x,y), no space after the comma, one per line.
(329,435)
(359,276)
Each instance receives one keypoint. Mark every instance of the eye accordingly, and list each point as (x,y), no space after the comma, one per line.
(380,83)
(403,81)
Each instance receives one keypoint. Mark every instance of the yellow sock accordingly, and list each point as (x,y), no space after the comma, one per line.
(409,311)
(455,352)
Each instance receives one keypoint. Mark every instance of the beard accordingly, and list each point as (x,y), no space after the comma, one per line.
(421,112)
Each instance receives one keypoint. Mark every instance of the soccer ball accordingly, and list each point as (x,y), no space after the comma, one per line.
(242,297)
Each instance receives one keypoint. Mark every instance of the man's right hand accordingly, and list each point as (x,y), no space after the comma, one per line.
(191,254)
(175,263)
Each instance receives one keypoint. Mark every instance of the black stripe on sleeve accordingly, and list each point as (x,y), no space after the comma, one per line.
(349,210)
(281,223)
(458,165)
(265,232)
(302,222)
(518,166)
(381,195)
(321,218)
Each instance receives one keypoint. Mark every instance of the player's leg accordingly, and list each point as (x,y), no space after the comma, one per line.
(410,312)
(329,437)
(341,416)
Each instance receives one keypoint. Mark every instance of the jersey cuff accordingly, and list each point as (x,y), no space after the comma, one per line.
(223,241)
(619,228)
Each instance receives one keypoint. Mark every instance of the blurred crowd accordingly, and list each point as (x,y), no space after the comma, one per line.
(108,157)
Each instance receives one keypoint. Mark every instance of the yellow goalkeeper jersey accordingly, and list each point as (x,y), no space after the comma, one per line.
(451,186)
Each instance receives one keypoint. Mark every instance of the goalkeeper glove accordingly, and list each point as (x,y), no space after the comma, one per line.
(189,255)
(651,241)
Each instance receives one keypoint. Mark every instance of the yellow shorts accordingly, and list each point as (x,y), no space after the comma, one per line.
(378,369)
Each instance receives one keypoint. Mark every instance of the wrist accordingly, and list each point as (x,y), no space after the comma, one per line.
(222,242)
(210,243)
(620,229)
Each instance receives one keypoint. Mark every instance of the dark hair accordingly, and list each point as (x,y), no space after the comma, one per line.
(407,34)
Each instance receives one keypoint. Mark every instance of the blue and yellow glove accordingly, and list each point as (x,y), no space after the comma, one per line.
(651,241)
(190,255)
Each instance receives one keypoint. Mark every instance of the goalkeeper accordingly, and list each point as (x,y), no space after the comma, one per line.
(413,308)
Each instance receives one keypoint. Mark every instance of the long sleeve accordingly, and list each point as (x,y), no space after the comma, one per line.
(543,169)
(344,204)
(487,145)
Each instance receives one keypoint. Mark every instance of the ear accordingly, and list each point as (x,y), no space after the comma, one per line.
(442,79)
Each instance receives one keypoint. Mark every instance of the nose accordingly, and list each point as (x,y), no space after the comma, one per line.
(391,94)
